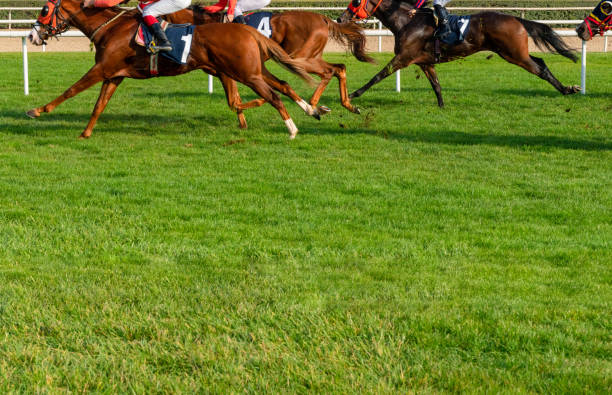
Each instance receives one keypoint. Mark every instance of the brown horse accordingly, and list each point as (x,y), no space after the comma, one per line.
(488,31)
(598,21)
(213,50)
(303,35)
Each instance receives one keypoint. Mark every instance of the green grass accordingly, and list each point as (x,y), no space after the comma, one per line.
(407,248)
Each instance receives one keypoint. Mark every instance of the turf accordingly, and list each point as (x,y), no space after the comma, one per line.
(404,249)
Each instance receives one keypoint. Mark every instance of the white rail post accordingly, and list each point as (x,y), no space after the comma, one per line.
(606,44)
(398,85)
(583,68)
(24,50)
(210,83)
(10,19)
(379,37)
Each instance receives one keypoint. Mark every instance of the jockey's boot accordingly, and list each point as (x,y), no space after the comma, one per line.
(239,19)
(162,43)
(443,28)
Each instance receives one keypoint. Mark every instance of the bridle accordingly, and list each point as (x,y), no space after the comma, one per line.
(49,22)
(604,24)
(358,9)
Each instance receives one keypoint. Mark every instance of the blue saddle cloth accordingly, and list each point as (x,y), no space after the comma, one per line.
(261,22)
(179,35)
(458,25)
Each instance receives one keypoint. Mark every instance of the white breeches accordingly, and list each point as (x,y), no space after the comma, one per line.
(165,7)
(441,2)
(243,6)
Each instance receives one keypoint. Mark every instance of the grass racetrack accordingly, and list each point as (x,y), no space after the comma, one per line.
(406,248)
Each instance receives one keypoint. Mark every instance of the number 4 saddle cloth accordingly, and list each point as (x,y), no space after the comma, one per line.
(261,22)
(179,35)
(458,29)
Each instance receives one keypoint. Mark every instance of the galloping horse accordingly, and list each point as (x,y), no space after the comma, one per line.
(598,21)
(414,44)
(213,50)
(302,35)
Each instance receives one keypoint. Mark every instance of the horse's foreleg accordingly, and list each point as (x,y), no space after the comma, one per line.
(432,76)
(395,64)
(106,92)
(233,98)
(92,77)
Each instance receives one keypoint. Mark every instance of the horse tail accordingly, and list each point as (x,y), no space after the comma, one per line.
(350,34)
(275,52)
(546,38)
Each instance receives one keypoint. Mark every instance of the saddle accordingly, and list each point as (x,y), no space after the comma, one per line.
(458,25)
(179,35)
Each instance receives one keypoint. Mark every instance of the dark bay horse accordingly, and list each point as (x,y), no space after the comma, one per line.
(302,35)
(488,31)
(598,21)
(214,48)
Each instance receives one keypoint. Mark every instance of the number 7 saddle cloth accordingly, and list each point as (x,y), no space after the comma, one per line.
(179,35)
(459,26)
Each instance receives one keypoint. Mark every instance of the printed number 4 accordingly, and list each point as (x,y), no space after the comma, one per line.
(264,27)
(187,48)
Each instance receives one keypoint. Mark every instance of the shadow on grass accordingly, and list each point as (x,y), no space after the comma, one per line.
(164,124)
(452,137)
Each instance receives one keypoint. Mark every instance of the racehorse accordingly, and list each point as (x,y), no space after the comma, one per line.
(414,44)
(302,35)
(213,50)
(598,21)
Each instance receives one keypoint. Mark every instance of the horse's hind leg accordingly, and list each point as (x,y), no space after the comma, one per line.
(260,86)
(108,88)
(538,67)
(432,76)
(233,98)
(92,77)
(326,71)
(284,88)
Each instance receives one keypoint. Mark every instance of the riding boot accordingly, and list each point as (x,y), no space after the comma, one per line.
(239,19)
(443,28)
(162,43)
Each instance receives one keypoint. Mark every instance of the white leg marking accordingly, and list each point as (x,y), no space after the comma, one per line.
(306,107)
(293,130)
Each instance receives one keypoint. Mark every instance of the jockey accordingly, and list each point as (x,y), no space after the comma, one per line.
(441,13)
(236,8)
(150,11)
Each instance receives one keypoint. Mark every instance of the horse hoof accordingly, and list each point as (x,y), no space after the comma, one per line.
(356,110)
(317,116)
(33,113)
(323,110)
(84,136)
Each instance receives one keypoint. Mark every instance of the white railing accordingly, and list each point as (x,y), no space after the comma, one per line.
(370,32)
(11,21)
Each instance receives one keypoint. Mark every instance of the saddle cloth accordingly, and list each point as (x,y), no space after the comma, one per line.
(179,35)
(261,22)
(459,27)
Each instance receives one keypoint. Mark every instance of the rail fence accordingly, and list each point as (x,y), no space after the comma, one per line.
(377,32)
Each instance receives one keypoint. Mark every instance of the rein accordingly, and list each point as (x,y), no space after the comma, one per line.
(105,24)
(53,28)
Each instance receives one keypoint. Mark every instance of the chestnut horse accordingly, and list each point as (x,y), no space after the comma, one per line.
(213,49)
(302,34)
(598,21)
(413,29)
